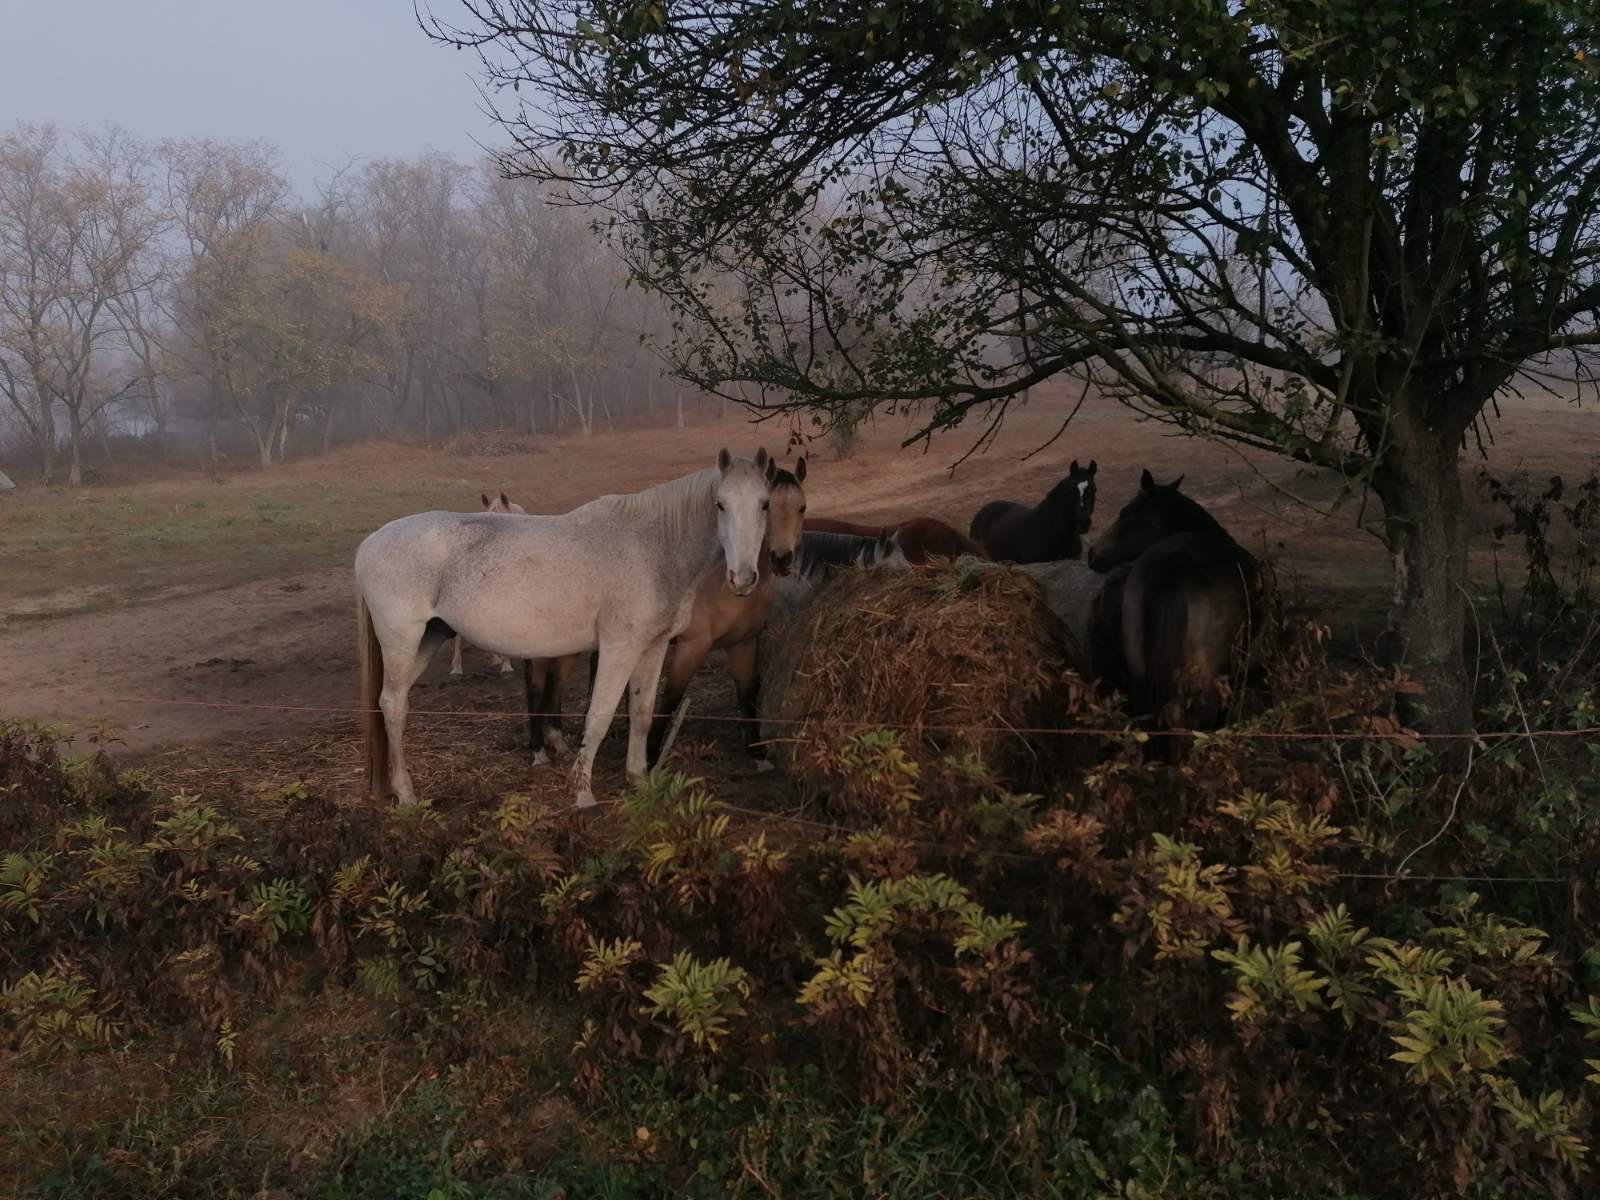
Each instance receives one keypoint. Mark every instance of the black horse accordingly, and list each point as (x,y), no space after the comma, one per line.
(1048,532)
(1189,592)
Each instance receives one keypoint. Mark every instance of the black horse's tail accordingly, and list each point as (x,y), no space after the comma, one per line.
(1166,627)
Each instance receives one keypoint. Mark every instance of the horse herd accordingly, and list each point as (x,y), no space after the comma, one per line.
(705,561)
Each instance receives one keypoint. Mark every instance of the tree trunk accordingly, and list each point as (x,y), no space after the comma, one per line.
(327,427)
(680,407)
(75,471)
(47,435)
(285,419)
(1419,482)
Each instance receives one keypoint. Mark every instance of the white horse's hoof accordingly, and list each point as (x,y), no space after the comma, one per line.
(555,743)
(584,800)
(505,667)
(540,758)
(456,673)
(763,765)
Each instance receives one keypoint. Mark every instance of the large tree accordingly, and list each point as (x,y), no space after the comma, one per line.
(1336,230)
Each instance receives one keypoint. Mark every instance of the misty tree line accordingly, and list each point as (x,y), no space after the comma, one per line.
(183,290)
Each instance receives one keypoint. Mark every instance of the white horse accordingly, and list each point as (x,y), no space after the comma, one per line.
(500,504)
(619,574)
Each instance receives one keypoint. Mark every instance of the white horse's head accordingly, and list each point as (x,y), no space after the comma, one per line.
(743,496)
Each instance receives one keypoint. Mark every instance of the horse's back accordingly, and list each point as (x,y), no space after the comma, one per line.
(988,516)
(853,528)
(1015,533)
(922,538)
(1185,602)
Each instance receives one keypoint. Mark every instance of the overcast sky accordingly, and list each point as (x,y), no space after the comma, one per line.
(323,79)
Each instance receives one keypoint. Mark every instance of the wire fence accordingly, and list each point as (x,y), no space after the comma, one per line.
(1478,737)
(1239,733)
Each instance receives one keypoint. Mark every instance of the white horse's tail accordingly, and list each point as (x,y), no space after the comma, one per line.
(374,733)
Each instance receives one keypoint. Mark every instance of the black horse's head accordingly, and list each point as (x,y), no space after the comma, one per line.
(1082,479)
(1158,510)
(1075,495)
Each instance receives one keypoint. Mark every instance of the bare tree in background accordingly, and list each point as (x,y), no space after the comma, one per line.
(79,231)
(423,295)
(226,199)
(29,257)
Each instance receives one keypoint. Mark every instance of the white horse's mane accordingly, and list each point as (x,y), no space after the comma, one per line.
(681,508)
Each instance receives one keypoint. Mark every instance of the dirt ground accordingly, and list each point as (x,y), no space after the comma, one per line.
(174,609)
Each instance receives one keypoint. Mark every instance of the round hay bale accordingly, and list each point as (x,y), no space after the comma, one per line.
(960,660)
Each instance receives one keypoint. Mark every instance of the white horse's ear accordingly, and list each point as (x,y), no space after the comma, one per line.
(1147,481)
(484,496)
(800,470)
(505,501)
(723,459)
(761,459)
(772,469)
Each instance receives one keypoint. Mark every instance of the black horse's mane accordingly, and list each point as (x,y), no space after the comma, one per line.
(820,550)
(1187,514)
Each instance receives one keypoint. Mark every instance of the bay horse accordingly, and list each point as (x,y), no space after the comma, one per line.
(918,538)
(1049,531)
(618,574)
(720,620)
(1189,592)
(500,504)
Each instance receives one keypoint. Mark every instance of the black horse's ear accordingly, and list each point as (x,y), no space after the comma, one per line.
(1073,469)
(1093,466)
(1147,481)
(800,470)
(1173,486)
(723,459)
(485,498)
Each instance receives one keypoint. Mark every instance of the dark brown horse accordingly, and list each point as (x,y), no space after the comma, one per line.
(920,538)
(1049,531)
(1189,593)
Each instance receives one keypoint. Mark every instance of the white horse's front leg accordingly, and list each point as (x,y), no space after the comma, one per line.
(616,665)
(641,705)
